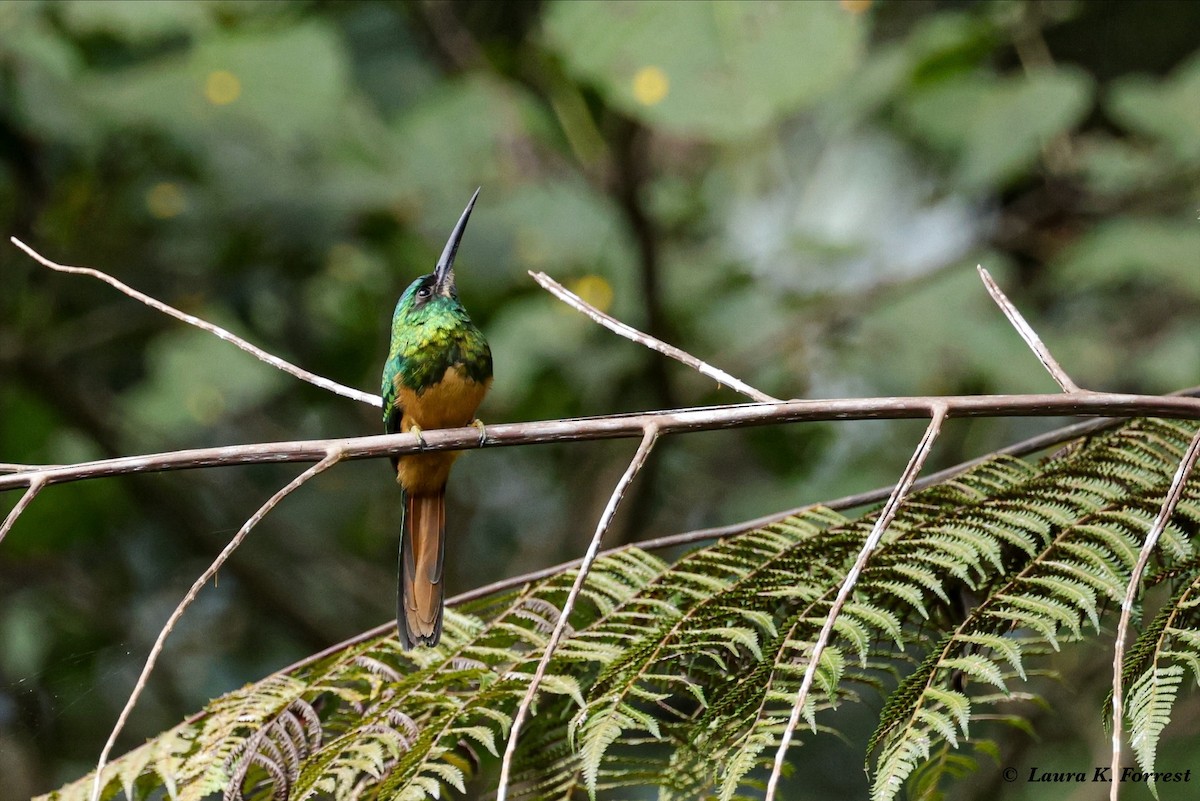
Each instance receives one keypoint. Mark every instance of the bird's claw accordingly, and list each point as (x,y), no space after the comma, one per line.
(477,423)
(416,431)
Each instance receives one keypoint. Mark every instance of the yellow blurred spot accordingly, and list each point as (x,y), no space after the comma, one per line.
(650,86)
(165,200)
(206,404)
(855,6)
(595,290)
(222,88)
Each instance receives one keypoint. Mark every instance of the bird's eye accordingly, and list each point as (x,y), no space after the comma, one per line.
(424,292)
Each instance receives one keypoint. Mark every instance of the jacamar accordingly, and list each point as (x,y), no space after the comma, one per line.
(438,369)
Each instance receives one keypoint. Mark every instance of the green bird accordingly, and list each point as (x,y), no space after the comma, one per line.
(438,369)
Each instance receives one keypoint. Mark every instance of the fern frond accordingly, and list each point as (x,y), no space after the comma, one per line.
(681,676)
(1154,670)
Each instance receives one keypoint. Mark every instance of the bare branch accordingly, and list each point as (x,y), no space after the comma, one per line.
(639,458)
(31,491)
(1103,404)
(332,457)
(1027,333)
(881,523)
(253,350)
(1174,493)
(629,332)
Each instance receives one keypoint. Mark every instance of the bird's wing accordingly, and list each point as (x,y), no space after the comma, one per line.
(393,410)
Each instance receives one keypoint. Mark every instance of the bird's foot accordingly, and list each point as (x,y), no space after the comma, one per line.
(416,430)
(477,423)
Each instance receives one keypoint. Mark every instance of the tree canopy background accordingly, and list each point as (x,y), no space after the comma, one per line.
(797,192)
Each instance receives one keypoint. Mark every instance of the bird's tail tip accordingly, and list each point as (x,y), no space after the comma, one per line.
(420,604)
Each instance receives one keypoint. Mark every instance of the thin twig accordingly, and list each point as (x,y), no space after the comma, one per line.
(1101,404)
(234,339)
(629,332)
(34,488)
(639,458)
(13,467)
(1027,333)
(1174,493)
(332,457)
(881,524)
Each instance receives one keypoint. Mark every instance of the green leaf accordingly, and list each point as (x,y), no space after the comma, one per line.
(195,380)
(1166,110)
(460,136)
(731,70)
(1146,249)
(142,21)
(996,127)
(287,86)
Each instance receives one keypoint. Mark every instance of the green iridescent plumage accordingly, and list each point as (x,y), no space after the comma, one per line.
(428,337)
(438,369)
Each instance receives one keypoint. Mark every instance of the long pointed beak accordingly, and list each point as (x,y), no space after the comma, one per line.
(444,272)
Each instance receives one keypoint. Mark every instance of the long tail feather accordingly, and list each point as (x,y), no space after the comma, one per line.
(422,546)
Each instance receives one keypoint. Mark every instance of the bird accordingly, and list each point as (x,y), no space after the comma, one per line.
(438,369)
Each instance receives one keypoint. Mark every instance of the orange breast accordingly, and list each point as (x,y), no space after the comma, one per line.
(450,403)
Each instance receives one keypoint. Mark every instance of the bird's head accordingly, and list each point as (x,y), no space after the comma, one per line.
(437,288)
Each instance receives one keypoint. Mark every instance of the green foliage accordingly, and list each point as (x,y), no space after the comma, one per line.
(1165,654)
(723,79)
(995,127)
(681,675)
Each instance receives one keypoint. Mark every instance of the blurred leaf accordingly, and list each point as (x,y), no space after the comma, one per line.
(866,214)
(1151,249)
(285,85)
(540,336)
(1115,165)
(36,44)
(996,127)
(23,630)
(344,297)
(466,133)
(949,44)
(45,70)
(1172,359)
(136,22)
(195,381)
(732,68)
(564,228)
(938,336)
(26,425)
(1168,110)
